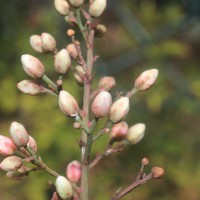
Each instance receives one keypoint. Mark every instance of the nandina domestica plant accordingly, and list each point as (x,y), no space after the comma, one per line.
(98,103)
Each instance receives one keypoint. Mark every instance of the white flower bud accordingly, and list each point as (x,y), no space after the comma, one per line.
(146,79)
(119,131)
(136,133)
(97,7)
(119,109)
(20,174)
(68,104)
(78,75)
(72,50)
(32,66)
(107,83)
(11,163)
(48,42)
(76,3)
(100,30)
(32,143)
(62,61)
(63,188)
(62,7)
(36,43)
(30,87)
(101,104)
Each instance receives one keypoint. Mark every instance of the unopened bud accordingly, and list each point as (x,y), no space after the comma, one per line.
(157,172)
(36,43)
(100,30)
(55,196)
(63,188)
(32,66)
(68,104)
(62,61)
(119,109)
(62,7)
(19,134)
(97,7)
(119,131)
(76,125)
(136,133)
(30,87)
(72,50)
(70,32)
(145,161)
(48,42)
(101,104)
(20,174)
(107,83)
(7,146)
(32,143)
(146,79)
(78,75)
(11,163)
(76,3)
(73,171)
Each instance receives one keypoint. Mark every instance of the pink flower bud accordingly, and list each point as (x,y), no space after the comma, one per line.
(68,104)
(7,146)
(136,133)
(62,61)
(72,50)
(36,43)
(32,143)
(119,131)
(146,79)
(97,7)
(157,172)
(73,171)
(63,188)
(119,109)
(11,163)
(107,83)
(76,3)
(30,87)
(101,104)
(19,134)
(48,42)
(32,66)
(78,75)
(20,174)
(62,7)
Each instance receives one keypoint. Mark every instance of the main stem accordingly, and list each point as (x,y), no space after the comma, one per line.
(86,140)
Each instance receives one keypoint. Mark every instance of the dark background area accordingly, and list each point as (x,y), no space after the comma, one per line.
(142,34)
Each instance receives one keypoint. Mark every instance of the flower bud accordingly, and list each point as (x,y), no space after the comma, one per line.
(36,43)
(68,104)
(146,79)
(19,134)
(107,83)
(97,7)
(62,7)
(62,61)
(30,87)
(11,163)
(78,75)
(100,30)
(76,3)
(55,196)
(145,161)
(136,133)
(7,146)
(20,174)
(73,171)
(119,131)
(63,188)
(48,42)
(32,143)
(72,50)
(32,66)
(157,172)
(119,109)
(101,104)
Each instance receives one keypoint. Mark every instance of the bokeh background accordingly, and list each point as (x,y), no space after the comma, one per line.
(142,34)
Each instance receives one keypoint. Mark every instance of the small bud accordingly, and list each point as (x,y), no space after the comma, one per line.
(145,161)
(136,133)
(68,104)
(70,19)
(101,104)
(63,188)
(62,7)
(119,131)
(19,134)
(157,172)
(7,146)
(32,66)
(73,171)
(119,109)
(107,83)
(55,196)
(146,79)
(20,174)
(62,61)
(48,42)
(76,125)
(32,143)
(36,43)
(70,32)
(30,87)
(78,75)
(76,3)
(72,50)
(100,30)
(11,163)
(97,7)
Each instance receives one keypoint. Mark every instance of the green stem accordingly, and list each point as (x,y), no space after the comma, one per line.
(79,23)
(46,79)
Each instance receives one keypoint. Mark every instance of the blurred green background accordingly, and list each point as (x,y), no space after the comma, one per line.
(142,34)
